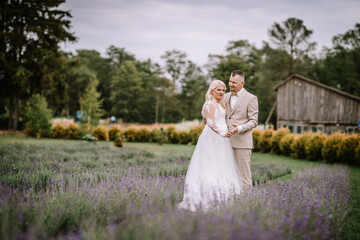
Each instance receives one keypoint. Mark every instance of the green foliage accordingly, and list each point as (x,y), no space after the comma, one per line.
(38,117)
(118,140)
(143,135)
(90,102)
(285,144)
(159,136)
(58,131)
(256,133)
(72,131)
(100,132)
(346,152)
(195,133)
(331,146)
(265,141)
(314,145)
(30,36)
(276,138)
(114,130)
(131,134)
(183,137)
(298,147)
(171,134)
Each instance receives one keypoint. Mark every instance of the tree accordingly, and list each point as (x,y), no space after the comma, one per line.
(126,92)
(294,38)
(29,38)
(91,103)
(38,116)
(341,66)
(175,64)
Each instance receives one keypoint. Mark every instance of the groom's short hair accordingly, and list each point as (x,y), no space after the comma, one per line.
(238,72)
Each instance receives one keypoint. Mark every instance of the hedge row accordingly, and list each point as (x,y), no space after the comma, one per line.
(131,134)
(335,148)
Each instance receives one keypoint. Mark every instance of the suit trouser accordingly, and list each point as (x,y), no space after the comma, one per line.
(243,160)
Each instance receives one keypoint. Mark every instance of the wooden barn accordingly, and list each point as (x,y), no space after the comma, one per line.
(307,105)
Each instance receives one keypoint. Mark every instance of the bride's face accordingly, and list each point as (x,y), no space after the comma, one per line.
(218,92)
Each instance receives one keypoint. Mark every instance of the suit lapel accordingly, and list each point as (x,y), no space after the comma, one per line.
(238,101)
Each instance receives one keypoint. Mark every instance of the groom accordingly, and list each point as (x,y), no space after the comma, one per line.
(241,117)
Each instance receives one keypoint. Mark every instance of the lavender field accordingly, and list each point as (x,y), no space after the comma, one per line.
(82,190)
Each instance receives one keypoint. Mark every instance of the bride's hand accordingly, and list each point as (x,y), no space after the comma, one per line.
(228,134)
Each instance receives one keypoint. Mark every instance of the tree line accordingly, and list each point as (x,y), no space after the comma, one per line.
(120,85)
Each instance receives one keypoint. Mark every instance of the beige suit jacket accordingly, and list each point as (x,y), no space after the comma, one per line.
(244,113)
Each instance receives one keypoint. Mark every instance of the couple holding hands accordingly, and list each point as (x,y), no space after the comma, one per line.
(220,165)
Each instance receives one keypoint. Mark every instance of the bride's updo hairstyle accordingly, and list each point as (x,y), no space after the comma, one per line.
(213,85)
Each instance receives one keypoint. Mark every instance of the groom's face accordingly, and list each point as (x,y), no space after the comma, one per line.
(236,83)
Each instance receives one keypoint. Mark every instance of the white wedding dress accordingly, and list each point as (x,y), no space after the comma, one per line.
(212,176)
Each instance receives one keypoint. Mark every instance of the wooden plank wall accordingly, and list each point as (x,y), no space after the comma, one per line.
(300,100)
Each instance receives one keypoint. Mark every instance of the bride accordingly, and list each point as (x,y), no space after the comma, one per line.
(212,176)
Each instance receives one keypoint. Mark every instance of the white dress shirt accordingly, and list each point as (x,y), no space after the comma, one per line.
(233,100)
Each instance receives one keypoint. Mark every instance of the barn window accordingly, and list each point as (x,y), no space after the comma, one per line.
(291,128)
(305,128)
(314,129)
(298,129)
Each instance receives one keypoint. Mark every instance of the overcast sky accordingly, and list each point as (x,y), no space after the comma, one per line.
(148,28)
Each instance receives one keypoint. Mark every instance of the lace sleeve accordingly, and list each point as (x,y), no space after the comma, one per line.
(208,113)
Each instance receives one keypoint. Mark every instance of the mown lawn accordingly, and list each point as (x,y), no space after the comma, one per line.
(351,229)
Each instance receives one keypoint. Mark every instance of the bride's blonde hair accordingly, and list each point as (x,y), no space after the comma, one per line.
(213,85)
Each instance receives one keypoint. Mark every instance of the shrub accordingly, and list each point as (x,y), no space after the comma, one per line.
(159,136)
(265,141)
(346,152)
(131,134)
(256,133)
(357,155)
(114,130)
(38,117)
(58,131)
(72,131)
(195,133)
(285,144)
(100,132)
(183,137)
(118,141)
(331,146)
(298,147)
(143,135)
(84,129)
(171,134)
(314,145)
(276,138)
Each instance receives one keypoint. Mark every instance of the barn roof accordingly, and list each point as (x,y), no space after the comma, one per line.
(318,84)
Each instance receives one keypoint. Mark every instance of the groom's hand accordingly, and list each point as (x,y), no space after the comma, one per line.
(235,130)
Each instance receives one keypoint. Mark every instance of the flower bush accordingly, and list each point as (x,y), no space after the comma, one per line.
(101,133)
(331,146)
(72,131)
(276,138)
(58,131)
(195,133)
(286,143)
(131,134)
(346,152)
(314,145)
(114,130)
(265,141)
(171,134)
(143,135)
(256,133)
(298,147)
